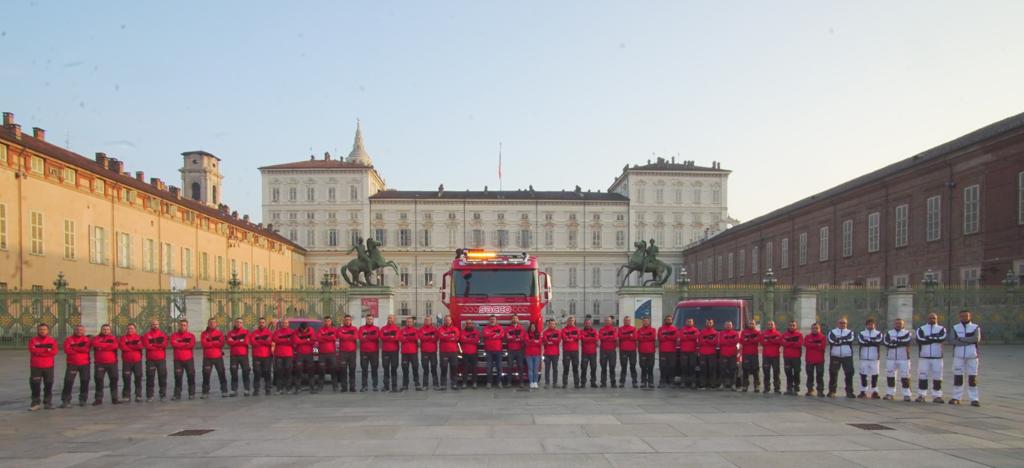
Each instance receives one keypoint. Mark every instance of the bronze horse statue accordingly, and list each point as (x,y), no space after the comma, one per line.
(644,260)
(368,259)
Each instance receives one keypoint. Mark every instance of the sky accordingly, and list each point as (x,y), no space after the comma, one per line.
(793,97)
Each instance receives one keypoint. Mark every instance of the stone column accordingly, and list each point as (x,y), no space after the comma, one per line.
(94,308)
(197,309)
(805,309)
(901,306)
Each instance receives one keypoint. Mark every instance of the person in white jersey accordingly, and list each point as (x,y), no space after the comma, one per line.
(897,359)
(966,337)
(930,338)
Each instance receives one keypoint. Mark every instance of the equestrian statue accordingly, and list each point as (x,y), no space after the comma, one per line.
(645,260)
(368,260)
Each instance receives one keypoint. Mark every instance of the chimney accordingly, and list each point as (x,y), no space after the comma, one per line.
(234,214)
(116,165)
(327,156)
(101,159)
(260,225)
(141,176)
(154,181)
(17,130)
(8,119)
(38,134)
(270,227)
(245,218)
(175,192)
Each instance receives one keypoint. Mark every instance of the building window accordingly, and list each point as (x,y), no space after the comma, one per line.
(970,277)
(124,250)
(97,245)
(620,239)
(696,195)
(381,236)
(168,258)
(353,237)
(572,277)
(716,195)
(902,222)
(148,255)
(641,195)
(848,237)
(332,194)
(502,238)
(403,277)
(245,274)
(595,239)
(742,262)
(478,238)
(874,231)
(293,194)
(425,238)
(451,237)
(69,239)
(873,283)
(37,164)
(3,154)
(900,281)
(659,195)
(99,186)
(718,268)
(730,265)
(933,219)
(801,248)
(784,251)
(218,269)
(275,194)
(428,276)
(972,204)
(823,244)
(404,238)
(595,277)
(769,259)
(3,222)
(70,177)
(572,238)
(476,216)
(353,193)
(310,194)
(310,237)
(204,266)
(755,256)
(332,237)
(572,307)
(525,238)
(549,238)
(36,232)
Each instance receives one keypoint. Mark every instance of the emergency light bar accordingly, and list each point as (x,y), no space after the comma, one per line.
(484,256)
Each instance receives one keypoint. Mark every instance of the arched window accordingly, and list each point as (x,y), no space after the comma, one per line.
(195,190)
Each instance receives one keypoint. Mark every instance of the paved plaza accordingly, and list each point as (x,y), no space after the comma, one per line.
(557,428)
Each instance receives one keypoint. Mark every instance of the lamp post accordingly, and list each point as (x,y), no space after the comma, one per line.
(61,287)
(683,281)
(1010,282)
(233,287)
(930,282)
(769,291)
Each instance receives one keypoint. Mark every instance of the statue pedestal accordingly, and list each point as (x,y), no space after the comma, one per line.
(378,302)
(640,302)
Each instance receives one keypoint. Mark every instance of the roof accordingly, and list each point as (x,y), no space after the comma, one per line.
(201,153)
(666,165)
(77,160)
(499,195)
(983,134)
(317,164)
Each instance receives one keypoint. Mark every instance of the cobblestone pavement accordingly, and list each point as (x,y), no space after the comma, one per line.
(558,428)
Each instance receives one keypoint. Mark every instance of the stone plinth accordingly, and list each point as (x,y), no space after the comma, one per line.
(376,301)
(638,302)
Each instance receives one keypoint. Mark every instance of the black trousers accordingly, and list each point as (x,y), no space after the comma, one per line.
(751,367)
(284,373)
(209,364)
(834,363)
(467,369)
(627,360)
(428,362)
(237,362)
(771,368)
(105,370)
(347,369)
(792,368)
(588,361)
(184,369)
(369,362)
(261,369)
(516,367)
(727,371)
(689,363)
(647,368)
(667,363)
(131,372)
(708,370)
(156,370)
(328,365)
(390,360)
(306,372)
(571,362)
(410,362)
(550,369)
(41,377)
(449,368)
(608,359)
(816,374)
(82,372)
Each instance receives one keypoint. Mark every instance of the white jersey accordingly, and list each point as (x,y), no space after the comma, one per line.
(869,341)
(841,340)
(930,339)
(897,343)
(965,340)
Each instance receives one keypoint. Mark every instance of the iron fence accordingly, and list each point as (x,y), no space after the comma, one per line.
(21,311)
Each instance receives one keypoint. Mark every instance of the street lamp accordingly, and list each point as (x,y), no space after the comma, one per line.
(769,291)
(326,282)
(930,281)
(684,278)
(1010,281)
(769,279)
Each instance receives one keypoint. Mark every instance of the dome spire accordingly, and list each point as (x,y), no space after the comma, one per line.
(359,154)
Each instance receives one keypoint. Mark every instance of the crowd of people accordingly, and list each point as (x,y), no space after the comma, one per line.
(288,359)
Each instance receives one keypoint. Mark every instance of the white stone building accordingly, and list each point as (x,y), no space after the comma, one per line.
(580,236)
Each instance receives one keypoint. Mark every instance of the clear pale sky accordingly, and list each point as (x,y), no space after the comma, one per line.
(794,97)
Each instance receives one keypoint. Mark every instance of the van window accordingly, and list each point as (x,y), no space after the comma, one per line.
(700,314)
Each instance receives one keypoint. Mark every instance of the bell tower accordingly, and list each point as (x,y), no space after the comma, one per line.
(200,177)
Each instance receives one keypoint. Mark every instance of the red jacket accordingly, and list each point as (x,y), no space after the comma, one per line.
(182,343)
(588,338)
(570,338)
(771,340)
(260,339)
(428,338)
(688,337)
(708,341)
(551,338)
(410,338)
(131,348)
(609,336)
(792,344)
(645,337)
(283,343)
(369,339)
(347,338)
(449,337)
(514,336)
(750,340)
(389,338)
(492,337)
(213,343)
(238,342)
(727,341)
(155,342)
(668,339)
(104,347)
(304,340)
(815,344)
(77,350)
(627,338)
(470,340)
(327,340)
(533,344)
(41,350)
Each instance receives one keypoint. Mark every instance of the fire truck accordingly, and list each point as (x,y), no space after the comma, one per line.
(482,283)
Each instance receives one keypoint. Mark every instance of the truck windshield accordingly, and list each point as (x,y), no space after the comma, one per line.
(701,314)
(495,283)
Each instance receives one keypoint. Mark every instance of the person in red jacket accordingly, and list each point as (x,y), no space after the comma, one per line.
(515,337)
(646,336)
(708,355)
(348,335)
(261,340)
(815,343)
(410,338)
(212,341)
(494,336)
(428,337)
(750,340)
(369,351)
(76,347)
(469,341)
(688,359)
(532,350)
(104,348)
(284,357)
(155,341)
(327,350)
(182,342)
(449,336)
(792,350)
(668,352)
(728,348)
(42,348)
(389,356)
(609,336)
(570,353)
(131,363)
(552,338)
(238,352)
(588,344)
(627,351)
(771,340)
(305,369)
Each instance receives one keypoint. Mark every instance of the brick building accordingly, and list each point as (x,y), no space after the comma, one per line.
(956,210)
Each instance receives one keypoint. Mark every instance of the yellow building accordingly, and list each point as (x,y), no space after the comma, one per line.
(104,228)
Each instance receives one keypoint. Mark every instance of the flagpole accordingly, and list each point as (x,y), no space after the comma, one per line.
(499,167)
